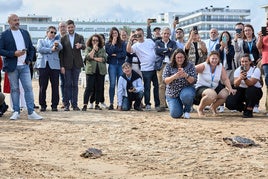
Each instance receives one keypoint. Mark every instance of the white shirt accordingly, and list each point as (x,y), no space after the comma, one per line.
(20,44)
(145,52)
(209,79)
(253,72)
(71,38)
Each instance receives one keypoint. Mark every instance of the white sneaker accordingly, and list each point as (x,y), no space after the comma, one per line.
(103,105)
(35,116)
(147,107)
(15,116)
(186,115)
(90,106)
(221,109)
(256,109)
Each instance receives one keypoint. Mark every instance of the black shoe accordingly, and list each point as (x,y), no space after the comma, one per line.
(97,107)
(247,113)
(43,109)
(76,109)
(111,107)
(36,107)
(66,108)
(84,108)
(138,108)
(54,109)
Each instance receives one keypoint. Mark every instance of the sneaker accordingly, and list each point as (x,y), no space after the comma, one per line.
(76,108)
(90,106)
(247,114)
(256,109)
(221,109)
(15,116)
(35,116)
(160,109)
(186,115)
(148,107)
(111,107)
(207,108)
(103,105)
(97,107)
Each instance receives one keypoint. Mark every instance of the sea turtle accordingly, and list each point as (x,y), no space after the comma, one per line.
(91,153)
(238,141)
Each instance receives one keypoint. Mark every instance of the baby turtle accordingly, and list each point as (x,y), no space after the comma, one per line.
(92,153)
(238,141)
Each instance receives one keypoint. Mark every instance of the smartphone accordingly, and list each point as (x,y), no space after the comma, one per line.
(195,29)
(264,31)
(153,20)
(238,31)
(25,49)
(243,68)
(224,39)
(176,18)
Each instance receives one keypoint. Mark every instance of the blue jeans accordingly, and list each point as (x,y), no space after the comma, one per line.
(115,71)
(265,70)
(148,77)
(23,74)
(185,98)
(71,86)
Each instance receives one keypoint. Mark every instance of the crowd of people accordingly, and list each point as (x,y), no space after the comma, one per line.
(213,73)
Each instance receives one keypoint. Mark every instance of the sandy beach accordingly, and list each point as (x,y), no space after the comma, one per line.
(143,144)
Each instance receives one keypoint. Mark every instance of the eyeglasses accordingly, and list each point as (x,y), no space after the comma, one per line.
(53,32)
(95,40)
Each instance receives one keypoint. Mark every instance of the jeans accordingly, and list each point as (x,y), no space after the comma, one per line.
(148,77)
(62,83)
(115,71)
(71,86)
(127,101)
(22,72)
(185,98)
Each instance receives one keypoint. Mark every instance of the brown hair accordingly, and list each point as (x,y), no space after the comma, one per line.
(173,58)
(100,44)
(213,52)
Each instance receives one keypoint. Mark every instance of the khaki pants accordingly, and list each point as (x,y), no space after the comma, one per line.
(162,88)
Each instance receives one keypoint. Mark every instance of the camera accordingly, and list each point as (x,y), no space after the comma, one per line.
(264,31)
(243,68)
(152,20)
(136,36)
(195,29)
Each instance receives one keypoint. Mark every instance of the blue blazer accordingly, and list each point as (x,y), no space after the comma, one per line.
(45,54)
(8,48)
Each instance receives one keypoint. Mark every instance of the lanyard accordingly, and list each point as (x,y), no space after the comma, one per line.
(212,77)
(250,44)
(211,47)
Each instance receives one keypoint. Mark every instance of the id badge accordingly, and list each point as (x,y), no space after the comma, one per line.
(251,57)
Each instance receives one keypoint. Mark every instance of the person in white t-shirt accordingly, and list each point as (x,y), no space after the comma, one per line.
(249,92)
(144,49)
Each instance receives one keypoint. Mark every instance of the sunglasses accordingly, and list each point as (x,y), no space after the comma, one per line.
(95,40)
(53,32)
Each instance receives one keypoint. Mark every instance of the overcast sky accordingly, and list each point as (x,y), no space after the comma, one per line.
(105,10)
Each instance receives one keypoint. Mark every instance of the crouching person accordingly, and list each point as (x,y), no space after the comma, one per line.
(130,88)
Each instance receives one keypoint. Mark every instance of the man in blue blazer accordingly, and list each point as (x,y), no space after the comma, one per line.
(17,50)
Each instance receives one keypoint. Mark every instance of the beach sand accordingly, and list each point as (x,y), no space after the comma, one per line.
(134,144)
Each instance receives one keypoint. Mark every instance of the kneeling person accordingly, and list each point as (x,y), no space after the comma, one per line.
(130,88)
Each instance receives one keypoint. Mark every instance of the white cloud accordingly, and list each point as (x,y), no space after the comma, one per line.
(136,10)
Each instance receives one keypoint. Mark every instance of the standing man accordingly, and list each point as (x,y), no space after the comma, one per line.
(144,49)
(177,34)
(71,63)
(164,48)
(17,50)
(238,42)
(212,41)
(62,31)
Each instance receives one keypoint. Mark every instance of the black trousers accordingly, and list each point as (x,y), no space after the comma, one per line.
(94,86)
(244,97)
(45,75)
